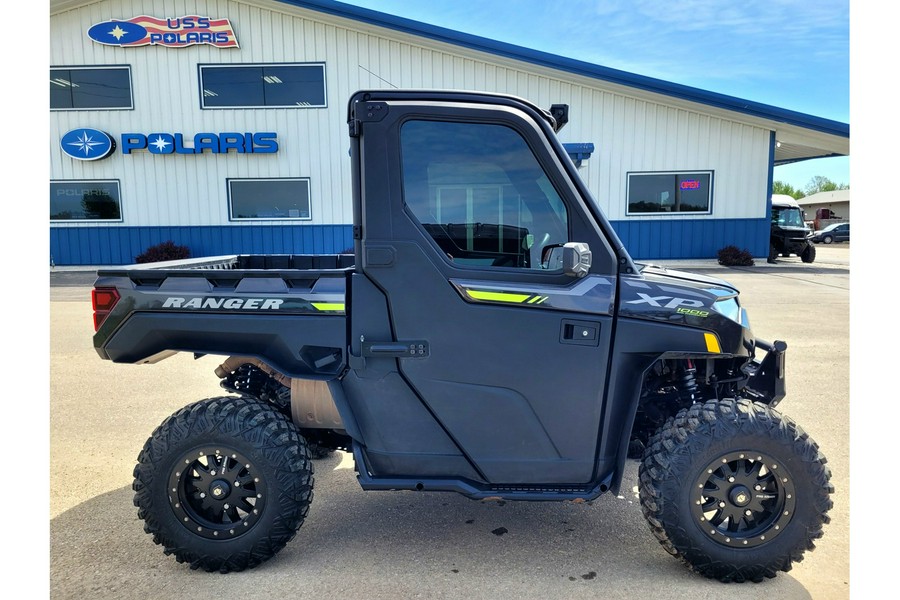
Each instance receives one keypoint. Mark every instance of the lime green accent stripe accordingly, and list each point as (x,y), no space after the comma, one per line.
(498,296)
(329,306)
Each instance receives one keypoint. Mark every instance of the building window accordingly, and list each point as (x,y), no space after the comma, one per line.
(85,201)
(682,192)
(254,199)
(90,88)
(482,196)
(262,86)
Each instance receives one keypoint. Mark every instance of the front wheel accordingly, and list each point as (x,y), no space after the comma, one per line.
(827,239)
(224,483)
(809,254)
(736,490)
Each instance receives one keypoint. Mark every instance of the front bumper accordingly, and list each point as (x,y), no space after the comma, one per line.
(766,382)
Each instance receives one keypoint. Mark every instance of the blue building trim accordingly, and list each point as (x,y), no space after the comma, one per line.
(696,238)
(645,240)
(577,67)
(773,143)
(121,245)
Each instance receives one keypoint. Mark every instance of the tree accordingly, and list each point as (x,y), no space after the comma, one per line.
(823,184)
(780,187)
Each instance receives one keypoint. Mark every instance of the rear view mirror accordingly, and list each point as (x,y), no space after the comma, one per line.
(574,258)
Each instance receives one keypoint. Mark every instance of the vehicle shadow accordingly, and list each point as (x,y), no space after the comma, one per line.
(399,545)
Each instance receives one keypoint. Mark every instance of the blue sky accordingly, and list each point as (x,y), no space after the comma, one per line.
(792,54)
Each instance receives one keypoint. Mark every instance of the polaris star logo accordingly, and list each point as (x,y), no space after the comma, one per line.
(87,144)
(226,303)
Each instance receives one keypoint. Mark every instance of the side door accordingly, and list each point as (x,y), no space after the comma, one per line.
(461,205)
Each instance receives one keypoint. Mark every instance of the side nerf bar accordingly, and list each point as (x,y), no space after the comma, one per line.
(767,375)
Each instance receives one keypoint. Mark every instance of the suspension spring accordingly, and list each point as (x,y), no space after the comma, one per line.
(687,382)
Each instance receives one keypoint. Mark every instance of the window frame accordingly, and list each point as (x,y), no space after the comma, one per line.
(126,68)
(683,213)
(118,186)
(261,65)
(229,192)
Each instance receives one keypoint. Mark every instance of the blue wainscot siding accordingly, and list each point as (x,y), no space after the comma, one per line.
(121,245)
(682,238)
(656,239)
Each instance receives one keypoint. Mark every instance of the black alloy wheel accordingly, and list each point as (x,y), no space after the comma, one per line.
(218,493)
(743,499)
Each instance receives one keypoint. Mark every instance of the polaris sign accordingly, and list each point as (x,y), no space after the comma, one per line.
(169,32)
(214,143)
(91,144)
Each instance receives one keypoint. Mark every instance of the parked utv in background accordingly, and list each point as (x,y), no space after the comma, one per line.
(490,336)
(789,234)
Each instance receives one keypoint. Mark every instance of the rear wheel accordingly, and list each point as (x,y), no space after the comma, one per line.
(224,483)
(736,490)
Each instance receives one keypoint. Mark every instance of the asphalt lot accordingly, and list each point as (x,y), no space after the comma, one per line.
(372,545)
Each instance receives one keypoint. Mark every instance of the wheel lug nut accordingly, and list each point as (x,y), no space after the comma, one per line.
(202,495)
(748,512)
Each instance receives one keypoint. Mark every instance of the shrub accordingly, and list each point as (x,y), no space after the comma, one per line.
(164,251)
(732,256)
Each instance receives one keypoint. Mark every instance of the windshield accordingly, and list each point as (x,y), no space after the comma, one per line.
(787,217)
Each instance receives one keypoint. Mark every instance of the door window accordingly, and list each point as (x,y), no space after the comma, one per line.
(480,193)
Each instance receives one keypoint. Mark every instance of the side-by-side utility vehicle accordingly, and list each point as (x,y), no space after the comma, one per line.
(789,232)
(489,335)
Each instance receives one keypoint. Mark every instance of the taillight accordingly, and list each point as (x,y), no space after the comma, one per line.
(103,300)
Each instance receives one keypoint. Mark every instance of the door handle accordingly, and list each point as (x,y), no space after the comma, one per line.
(580,333)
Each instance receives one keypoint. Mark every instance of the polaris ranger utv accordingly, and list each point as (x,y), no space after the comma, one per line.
(789,234)
(489,336)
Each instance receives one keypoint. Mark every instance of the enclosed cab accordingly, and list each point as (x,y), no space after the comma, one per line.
(789,233)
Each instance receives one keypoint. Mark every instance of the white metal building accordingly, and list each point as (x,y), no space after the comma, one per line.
(221,125)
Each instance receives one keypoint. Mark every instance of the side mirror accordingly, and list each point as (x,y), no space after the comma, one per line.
(574,258)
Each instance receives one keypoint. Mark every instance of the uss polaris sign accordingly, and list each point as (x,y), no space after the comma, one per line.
(177,32)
